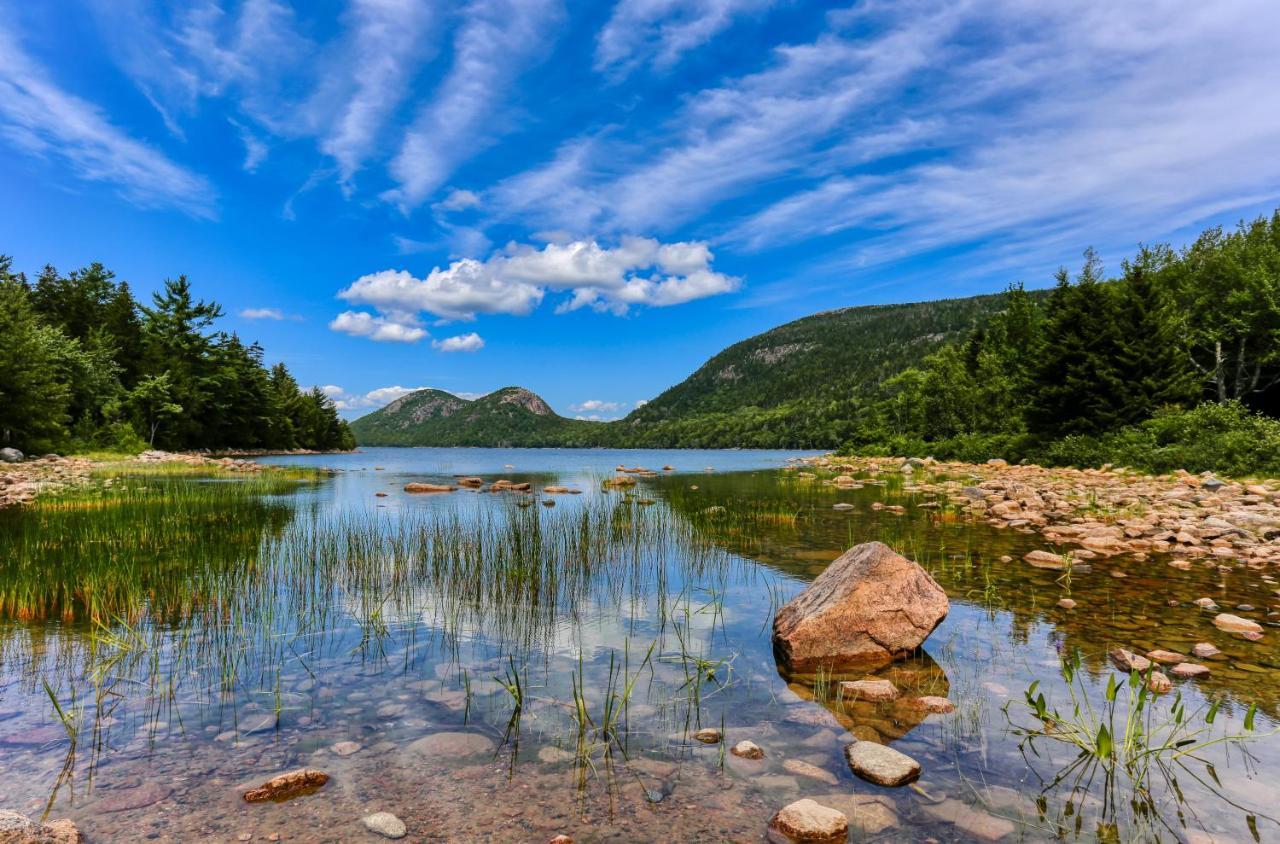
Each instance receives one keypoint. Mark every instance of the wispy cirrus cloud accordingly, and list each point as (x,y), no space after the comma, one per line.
(662,31)
(40,118)
(496,41)
(387,44)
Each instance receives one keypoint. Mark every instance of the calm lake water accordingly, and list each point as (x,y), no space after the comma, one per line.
(487,667)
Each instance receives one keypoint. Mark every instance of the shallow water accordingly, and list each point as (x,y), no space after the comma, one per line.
(199,646)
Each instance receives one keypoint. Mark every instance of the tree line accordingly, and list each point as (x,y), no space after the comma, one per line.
(85,366)
(1176,359)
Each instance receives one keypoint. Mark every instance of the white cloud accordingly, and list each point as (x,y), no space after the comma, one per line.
(597,406)
(497,39)
(642,402)
(458,200)
(472,342)
(45,121)
(262,313)
(394,328)
(662,31)
(638,271)
(380,397)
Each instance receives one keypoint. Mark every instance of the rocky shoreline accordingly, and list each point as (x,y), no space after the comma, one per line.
(1091,513)
(23,479)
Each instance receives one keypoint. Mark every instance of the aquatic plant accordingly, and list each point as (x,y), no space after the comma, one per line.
(1138,739)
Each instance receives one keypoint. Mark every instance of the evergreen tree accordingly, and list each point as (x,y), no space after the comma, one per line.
(33,396)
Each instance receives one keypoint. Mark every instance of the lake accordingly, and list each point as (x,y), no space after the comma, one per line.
(509,666)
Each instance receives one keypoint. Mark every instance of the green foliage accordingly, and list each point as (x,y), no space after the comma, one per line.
(84,367)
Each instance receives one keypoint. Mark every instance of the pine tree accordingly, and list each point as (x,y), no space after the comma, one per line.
(33,399)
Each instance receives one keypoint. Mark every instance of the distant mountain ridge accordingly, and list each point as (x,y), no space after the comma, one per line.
(512,416)
(799,385)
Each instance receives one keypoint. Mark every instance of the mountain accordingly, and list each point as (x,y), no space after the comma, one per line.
(799,385)
(512,416)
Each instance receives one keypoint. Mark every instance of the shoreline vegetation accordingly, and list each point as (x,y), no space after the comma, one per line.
(52,475)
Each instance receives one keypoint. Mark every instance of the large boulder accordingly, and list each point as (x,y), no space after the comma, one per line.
(10,455)
(870,607)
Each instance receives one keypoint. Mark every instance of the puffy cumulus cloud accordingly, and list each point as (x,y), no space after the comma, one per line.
(472,342)
(392,328)
(638,271)
(360,401)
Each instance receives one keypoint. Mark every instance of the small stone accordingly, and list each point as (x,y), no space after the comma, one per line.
(385,824)
(1159,683)
(842,506)
(708,735)
(1236,624)
(1128,660)
(345,748)
(747,750)
(803,769)
(881,765)
(1166,657)
(1067,603)
(872,690)
(1206,603)
(245,836)
(1204,650)
(293,784)
(1047,560)
(561,839)
(1189,669)
(809,822)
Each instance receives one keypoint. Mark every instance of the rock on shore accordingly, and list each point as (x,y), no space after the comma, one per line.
(868,608)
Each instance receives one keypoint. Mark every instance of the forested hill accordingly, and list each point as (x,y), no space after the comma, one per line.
(831,356)
(798,385)
(802,384)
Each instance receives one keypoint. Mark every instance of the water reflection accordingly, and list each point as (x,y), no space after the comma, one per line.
(197,638)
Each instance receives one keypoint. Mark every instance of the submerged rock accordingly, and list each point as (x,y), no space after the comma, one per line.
(747,750)
(293,784)
(976,824)
(870,607)
(808,821)
(385,824)
(929,703)
(447,746)
(881,765)
(708,735)
(801,768)
(872,690)
(1159,683)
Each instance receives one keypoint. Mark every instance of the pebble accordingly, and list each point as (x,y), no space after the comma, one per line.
(1159,683)
(708,735)
(747,750)
(1067,603)
(385,824)
(1205,650)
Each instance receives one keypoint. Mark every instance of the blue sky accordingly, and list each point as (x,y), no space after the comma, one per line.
(589,199)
